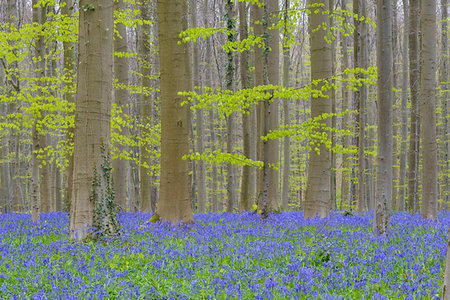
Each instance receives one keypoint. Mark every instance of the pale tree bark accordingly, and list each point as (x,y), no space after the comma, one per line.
(215,194)
(256,17)
(44,174)
(287,142)
(413,150)
(92,112)
(361,203)
(37,137)
(231,184)
(200,167)
(346,108)
(404,109)
(121,100)
(363,184)
(428,108)
(145,108)
(317,202)
(245,200)
(395,117)
(385,129)
(445,96)
(68,69)
(272,108)
(174,201)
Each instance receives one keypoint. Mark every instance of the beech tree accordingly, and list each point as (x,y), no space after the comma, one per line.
(385,129)
(92,116)
(428,38)
(174,202)
(317,202)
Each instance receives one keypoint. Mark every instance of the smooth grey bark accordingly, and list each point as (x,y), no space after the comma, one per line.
(145,108)
(121,99)
(245,203)
(286,111)
(346,108)
(273,77)
(317,202)
(385,112)
(174,204)
(445,96)
(404,110)
(414,75)
(427,97)
(231,183)
(92,113)
(200,167)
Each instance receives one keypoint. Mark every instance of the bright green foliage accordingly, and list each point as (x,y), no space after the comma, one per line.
(150,138)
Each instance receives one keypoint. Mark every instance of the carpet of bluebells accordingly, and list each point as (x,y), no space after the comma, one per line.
(225,256)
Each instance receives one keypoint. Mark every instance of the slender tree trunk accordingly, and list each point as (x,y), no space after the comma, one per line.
(174,203)
(200,167)
(358,57)
(404,122)
(121,100)
(274,78)
(445,96)
(286,142)
(256,17)
(346,108)
(215,193)
(413,150)
(363,184)
(318,187)
(428,108)
(145,109)
(245,201)
(384,101)
(68,70)
(37,137)
(92,113)
(231,185)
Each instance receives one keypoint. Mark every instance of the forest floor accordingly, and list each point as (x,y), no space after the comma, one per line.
(225,256)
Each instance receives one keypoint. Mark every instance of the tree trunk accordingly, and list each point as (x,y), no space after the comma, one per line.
(44,171)
(121,100)
(145,109)
(413,150)
(37,137)
(428,108)
(317,201)
(231,186)
(346,108)
(445,97)
(200,168)
(404,110)
(256,17)
(384,101)
(174,201)
(286,142)
(359,37)
(68,70)
(92,113)
(363,185)
(274,78)
(245,201)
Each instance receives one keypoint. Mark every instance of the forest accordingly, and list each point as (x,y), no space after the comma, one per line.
(224,149)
